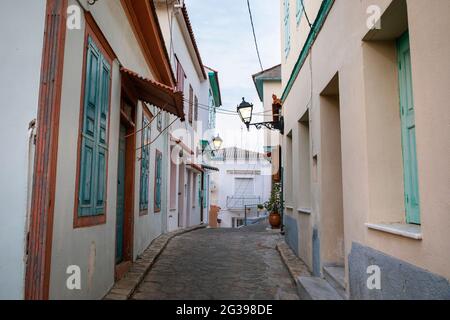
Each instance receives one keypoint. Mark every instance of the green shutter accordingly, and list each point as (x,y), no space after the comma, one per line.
(158,181)
(94,144)
(408,125)
(145,164)
(287,28)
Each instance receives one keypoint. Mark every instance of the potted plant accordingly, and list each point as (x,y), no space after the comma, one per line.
(274,206)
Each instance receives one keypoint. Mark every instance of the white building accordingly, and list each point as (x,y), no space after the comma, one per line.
(186,180)
(244,181)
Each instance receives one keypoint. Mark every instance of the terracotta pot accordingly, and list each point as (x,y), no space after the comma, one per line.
(275,220)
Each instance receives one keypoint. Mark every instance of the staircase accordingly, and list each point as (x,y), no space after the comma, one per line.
(330,287)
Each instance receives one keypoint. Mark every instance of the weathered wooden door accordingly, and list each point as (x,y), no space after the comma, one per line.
(121,196)
(408,124)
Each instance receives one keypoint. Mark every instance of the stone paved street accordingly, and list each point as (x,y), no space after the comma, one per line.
(220,264)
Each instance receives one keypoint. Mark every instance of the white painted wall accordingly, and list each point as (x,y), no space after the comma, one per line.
(21,42)
(93,248)
(225,183)
(178,45)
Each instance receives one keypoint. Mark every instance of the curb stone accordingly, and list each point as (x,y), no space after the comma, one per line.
(125,287)
(295,266)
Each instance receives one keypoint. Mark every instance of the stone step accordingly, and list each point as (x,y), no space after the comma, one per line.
(314,288)
(335,275)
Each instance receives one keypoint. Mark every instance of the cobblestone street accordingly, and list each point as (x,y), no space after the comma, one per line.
(220,264)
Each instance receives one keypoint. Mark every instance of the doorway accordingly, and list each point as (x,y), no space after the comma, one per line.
(125,189)
(181,191)
(331,232)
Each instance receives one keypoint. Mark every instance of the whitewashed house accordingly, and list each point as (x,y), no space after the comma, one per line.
(243,182)
(86,194)
(186,185)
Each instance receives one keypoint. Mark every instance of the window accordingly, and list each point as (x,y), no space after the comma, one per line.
(287,28)
(158,181)
(194,190)
(299,13)
(159,121)
(145,163)
(91,200)
(244,187)
(180,76)
(238,222)
(196,108)
(408,125)
(191,103)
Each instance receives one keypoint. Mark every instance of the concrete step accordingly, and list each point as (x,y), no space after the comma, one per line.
(335,276)
(314,288)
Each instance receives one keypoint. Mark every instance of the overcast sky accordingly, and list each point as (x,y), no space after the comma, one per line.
(223,32)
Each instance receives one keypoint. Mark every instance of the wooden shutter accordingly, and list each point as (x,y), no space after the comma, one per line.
(287,28)
(180,76)
(408,124)
(191,103)
(94,144)
(145,164)
(196,108)
(158,181)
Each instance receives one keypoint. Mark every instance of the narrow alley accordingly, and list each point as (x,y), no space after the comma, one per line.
(220,264)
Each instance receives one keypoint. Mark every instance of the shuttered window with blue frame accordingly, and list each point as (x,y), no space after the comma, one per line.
(94,140)
(145,163)
(287,28)
(158,181)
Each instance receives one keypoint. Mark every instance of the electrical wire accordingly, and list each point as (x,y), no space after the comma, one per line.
(254,34)
(162,131)
(306,14)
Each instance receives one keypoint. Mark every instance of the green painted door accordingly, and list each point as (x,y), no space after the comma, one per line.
(408,124)
(120,195)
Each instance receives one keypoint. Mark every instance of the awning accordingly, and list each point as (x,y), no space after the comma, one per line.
(206,167)
(155,93)
(195,167)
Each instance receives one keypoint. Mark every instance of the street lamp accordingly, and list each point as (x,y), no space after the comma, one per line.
(217,142)
(245,111)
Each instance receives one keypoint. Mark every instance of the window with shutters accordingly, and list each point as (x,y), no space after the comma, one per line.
(191,103)
(145,164)
(195,108)
(93,154)
(180,76)
(158,181)
(287,29)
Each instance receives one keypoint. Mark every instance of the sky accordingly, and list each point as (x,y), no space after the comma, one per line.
(224,35)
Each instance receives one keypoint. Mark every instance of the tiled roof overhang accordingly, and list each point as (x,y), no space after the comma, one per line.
(155,93)
(194,43)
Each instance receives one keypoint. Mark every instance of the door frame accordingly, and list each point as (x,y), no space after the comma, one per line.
(128,228)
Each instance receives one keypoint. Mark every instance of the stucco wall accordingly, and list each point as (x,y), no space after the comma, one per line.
(93,248)
(372,186)
(21,38)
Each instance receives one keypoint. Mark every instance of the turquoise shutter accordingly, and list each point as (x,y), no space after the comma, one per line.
(408,124)
(92,187)
(158,181)
(287,28)
(145,165)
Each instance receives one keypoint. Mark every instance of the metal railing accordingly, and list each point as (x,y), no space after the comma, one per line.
(239,203)
(253,215)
